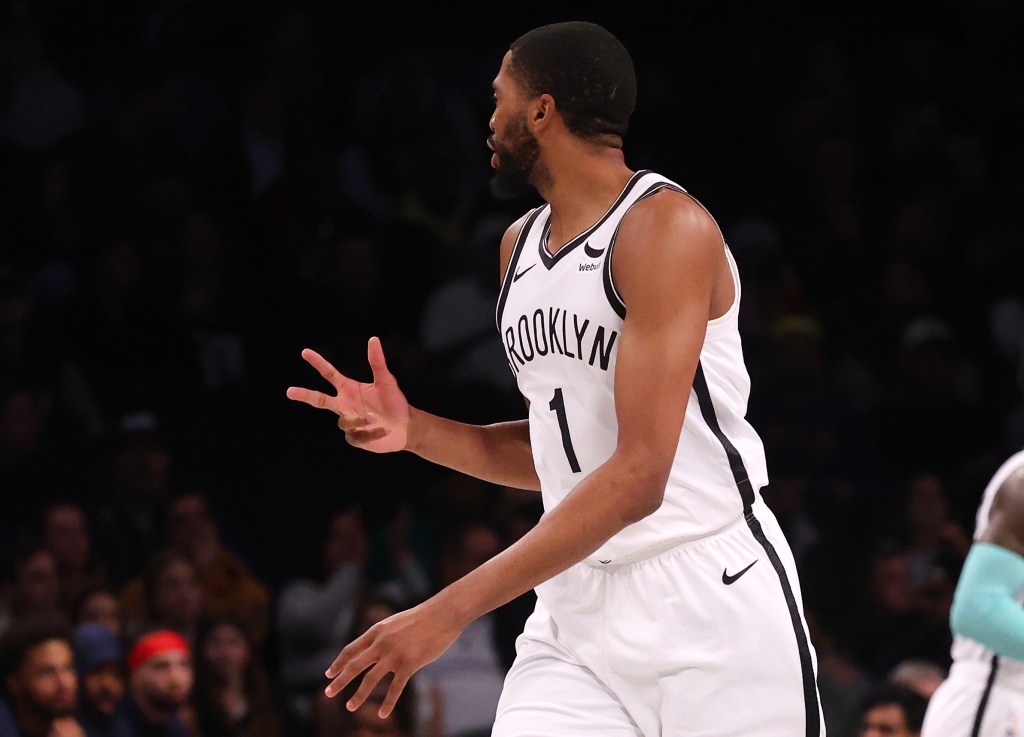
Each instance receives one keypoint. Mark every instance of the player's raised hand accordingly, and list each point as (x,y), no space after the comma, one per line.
(399,645)
(373,416)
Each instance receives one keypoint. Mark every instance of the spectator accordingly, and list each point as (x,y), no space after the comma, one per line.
(921,676)
(99,661)
(316,613)
(171,597)
(787,494)
(232,690)
(932,400)
(30,586)
(892,710)
(102,606)
(23,465)
(127,519)
(228,585)
(159,686)
(456,328)
(932,602)
(841,683)
(38,678)
(517,512)
(469,674)
(420,715)
(65,530)
(44,106)
(884,629)
(934,538)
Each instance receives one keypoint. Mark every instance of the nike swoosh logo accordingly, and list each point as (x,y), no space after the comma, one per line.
(592,252)
(520,274)
(729,580)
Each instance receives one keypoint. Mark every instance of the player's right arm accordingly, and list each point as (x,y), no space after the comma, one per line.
(377,417)
(985,606)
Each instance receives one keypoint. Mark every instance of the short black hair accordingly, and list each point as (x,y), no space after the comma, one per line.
(26,634)
(585,68)
(910,701)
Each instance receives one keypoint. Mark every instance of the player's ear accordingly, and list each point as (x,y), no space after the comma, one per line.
(543,109)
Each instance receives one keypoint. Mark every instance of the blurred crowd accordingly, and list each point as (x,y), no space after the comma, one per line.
(193,192)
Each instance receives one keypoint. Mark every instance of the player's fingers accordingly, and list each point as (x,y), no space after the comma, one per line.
(310,397)
(343,674)
(379,366)
(351,653)
(394,691)
(346,675)
(370,680)
(359,438)
(324,367)
(349,422)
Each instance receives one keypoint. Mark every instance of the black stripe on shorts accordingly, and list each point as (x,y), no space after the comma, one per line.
(976,730)
(739,472)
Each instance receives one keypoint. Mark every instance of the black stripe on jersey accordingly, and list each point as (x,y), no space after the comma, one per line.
(660,186)
(513,260)
(739,471)
(812,719)
(614,298)
(983,704)
(549,261)
(609,288)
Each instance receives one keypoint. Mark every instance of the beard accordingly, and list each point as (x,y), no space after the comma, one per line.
(166,703)
(512,176)
(106,700)
(50,708)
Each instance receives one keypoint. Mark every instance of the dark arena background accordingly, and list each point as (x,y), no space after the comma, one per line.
(193,192)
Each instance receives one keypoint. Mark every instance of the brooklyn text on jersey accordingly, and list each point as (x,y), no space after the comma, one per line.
(551,331)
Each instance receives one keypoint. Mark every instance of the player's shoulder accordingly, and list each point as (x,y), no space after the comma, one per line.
(1006,517)
(669,209)
(1007,511)
(668,223)
(510,237)
(512,231)
(1010,494)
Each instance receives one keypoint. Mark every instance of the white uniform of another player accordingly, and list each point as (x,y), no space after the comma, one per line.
(690,621)
(984,693)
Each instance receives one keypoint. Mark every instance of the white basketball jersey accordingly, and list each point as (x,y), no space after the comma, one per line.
(561,318)
(965,649)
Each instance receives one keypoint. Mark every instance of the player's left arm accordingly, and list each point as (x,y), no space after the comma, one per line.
(985,606)
(667,259)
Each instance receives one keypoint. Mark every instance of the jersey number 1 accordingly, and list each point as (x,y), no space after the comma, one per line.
(557,405)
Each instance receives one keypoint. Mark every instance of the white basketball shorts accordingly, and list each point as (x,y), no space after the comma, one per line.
(704,638)
(974,702)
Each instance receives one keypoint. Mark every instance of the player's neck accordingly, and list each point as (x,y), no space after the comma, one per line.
(580,187)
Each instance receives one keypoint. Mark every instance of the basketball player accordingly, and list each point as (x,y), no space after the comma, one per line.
(668,602)
(983,696)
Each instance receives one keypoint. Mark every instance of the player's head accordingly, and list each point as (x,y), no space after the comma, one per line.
(588,77)
(585,69)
